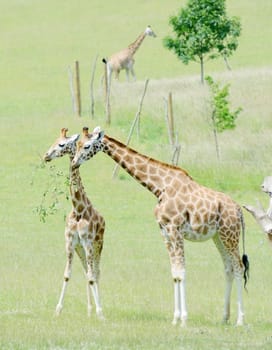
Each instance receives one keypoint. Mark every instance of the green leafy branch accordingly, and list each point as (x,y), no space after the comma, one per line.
(56,189)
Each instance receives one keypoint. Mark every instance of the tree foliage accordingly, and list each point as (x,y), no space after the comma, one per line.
(222,117)
(203,31)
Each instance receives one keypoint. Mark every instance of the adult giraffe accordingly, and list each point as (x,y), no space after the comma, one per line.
(185,210)
(84,229)
(124,59)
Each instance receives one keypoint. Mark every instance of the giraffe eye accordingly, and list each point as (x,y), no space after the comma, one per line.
(61,145)
(87,147)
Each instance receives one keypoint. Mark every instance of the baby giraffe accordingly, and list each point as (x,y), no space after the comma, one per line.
(84,228)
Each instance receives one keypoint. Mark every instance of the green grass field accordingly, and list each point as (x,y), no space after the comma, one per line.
(39,40)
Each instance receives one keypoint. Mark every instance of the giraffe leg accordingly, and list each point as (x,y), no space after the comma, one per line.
(175,246)
(70,248)
(238,274)
(89,300)
(127,74)
(229,282)
(233,269)
(82,256)
(184,313)
(177,306)
(95,291)
(240,318)
(228,276)
(133,73)
(93,273)
(180,311)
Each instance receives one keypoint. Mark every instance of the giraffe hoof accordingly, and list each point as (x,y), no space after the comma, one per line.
(225,321)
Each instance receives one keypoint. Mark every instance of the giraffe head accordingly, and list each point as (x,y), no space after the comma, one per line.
(88,146)
(149,31)
(63,145)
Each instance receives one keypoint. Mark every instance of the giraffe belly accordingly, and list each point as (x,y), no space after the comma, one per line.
(198,234)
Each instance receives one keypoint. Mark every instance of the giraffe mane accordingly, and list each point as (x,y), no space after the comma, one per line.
(150,159)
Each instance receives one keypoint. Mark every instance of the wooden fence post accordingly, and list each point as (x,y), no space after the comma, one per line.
(173,139)
(171,118)
(70,75)
(107,95)
(91,87)
(77,83)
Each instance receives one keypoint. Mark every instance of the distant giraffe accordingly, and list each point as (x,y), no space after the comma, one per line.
(84,228)
(124,59)
(185,210)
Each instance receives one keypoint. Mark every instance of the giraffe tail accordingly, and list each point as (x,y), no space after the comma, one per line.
(104,60)
(245,260)
(246,271)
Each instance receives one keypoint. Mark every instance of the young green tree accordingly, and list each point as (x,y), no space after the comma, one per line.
(222,117)
(202,31)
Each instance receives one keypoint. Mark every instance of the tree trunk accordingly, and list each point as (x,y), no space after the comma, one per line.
(202,69)
(215,137)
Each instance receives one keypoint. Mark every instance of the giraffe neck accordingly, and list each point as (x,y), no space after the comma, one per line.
(77,192)
(137,43)
(152,174)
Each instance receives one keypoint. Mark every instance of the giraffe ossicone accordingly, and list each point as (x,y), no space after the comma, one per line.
(84,229)
(185,210)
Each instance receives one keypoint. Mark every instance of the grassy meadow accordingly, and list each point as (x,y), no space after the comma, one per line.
(39,40)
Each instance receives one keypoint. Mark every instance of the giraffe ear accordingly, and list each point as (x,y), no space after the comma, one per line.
(97,130)
(97,133)
(75,137)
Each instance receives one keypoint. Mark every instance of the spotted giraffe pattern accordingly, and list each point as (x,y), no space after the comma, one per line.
(124,59)
(84,228)
(185,210)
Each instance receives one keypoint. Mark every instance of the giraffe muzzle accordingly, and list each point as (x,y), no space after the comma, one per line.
(46,158)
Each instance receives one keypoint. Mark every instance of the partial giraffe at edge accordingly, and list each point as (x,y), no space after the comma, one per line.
(185,210)
(263,217)
(84,229)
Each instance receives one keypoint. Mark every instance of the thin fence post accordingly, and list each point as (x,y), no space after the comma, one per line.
(138,114)
(107,95)
(91,86)
(173,140)
(70,75)
(77,83)
(176,152)
(171,118)
(136,120)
